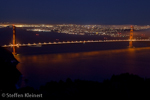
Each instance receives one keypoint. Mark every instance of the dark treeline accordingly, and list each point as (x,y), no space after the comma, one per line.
(123,86)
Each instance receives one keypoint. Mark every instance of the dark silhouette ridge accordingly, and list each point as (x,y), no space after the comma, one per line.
(9,75)
(124,86)
(118,87)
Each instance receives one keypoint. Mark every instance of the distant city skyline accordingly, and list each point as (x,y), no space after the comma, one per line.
(100,12)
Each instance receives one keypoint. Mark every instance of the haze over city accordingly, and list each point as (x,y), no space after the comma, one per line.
(75,11)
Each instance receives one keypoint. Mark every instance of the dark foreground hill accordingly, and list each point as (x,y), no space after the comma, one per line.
(123,86)
(9,75)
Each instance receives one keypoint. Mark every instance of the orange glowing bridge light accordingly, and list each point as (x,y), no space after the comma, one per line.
(131,37)
(14,40)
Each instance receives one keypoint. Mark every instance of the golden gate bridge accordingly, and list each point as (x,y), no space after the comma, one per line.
(14,45)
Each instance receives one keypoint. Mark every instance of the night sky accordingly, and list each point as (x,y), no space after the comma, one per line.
(76,11)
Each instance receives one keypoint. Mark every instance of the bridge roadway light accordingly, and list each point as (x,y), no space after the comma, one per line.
(23,44)
(5,45)
(29,44)
(19,44)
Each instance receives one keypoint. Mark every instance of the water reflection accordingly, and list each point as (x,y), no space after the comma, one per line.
(95,65)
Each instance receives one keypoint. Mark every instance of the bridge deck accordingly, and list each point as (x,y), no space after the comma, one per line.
(69,42)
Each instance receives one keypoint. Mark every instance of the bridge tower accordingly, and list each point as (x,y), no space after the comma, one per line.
(131,37)
(14,40)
